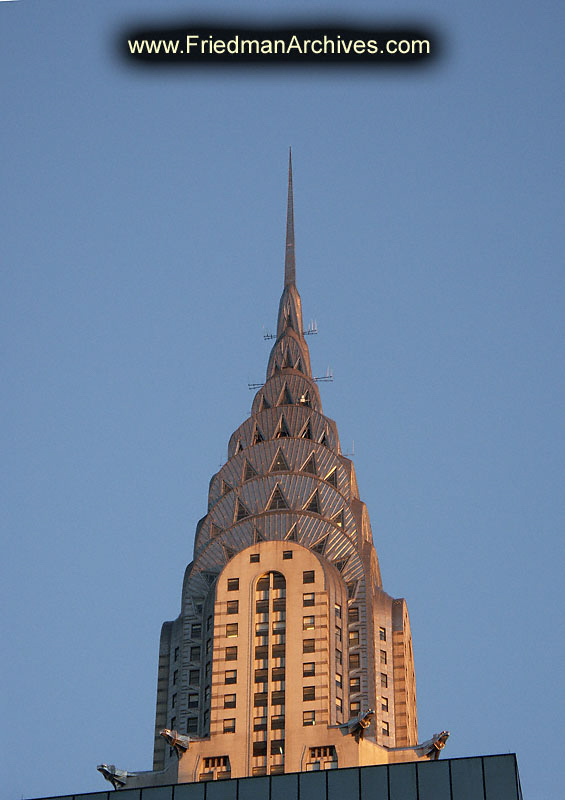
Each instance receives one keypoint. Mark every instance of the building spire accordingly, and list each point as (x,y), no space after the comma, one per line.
(289,259)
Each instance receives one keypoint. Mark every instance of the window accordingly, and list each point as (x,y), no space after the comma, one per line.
(354,614)
(208,669)
(279,604)
(208,647)
(173,723)
(308,718)
(259,748)
(353,638)
(354,708)
(231,653)
(230,676)
(338,657)
(278,651)
(337,611)
(229,726)
(194,677)
(385,728)
(174,701)
(176,653)
(383,656)
(287,554)
(308,576)
(233,606)
(193,701)
(263,584)
(382,634)
(308,623)
(261,675)
(195,654)
(308,669)
(279,626)
(196,631)
(308,692)
(261,628)
(354,661)
(254,558)
(277,747)
(206,693)
(338,681)
(384,680)
(278,674)
(175,676)
(192,725)
(338,635)
(259,699)
(339,705)
(262,606)
(233,584)
(229,701)
(259,723)
(277,722)
(309,646)
(231,630)
(277,698)
(384,703)
(354,685)
(308,599)
(209,623)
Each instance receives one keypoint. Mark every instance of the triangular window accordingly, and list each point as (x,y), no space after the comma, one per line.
(257,435)
(238,447)
(341,564)
(332,477)
(240,511)
(283,430)
(209,577)
(339,519)
(310,465)
(226,488)
(351,589)
(320,545)
(258,536)
(229,552)
(306,432)
(285,398)
(287,364)
(299,365)
(277,500)
(313,503)
(248,472)
(324,440)
(264,403)
(279,463)
(292,535)
(214,530)
(305,399)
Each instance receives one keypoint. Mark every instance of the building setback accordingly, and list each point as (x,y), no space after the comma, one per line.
(287,656)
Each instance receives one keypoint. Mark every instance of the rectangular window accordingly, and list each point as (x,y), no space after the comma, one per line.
(277,722)
(260,699)
(384,703)
(261,628)
(229,726)
(383,656)
(287,554)
(277,747)
(176,653)
(206,717)
(208,669)
(382,634)
(174,701)
(260,723)
(354,661)
(193,701)
(261,653)
(308,718)
(278,581)
(308,599)
(308,692)
(308,576)
(209,623)
(384,680)
(353,614)
(233,606)
(337,611)
(339,705)
(229,701)
(354,685)
(354,708)
(353,638)
(231,653)
(175,676)
(338,657)
(231,630)
(261,675)
(338,635)
(277,698)
(192,725)
(385,728)
(279,626)
(308,669)
(259,748)
(230,676)
(309,646)
(308,623)
(262,606)
(206,693)
(263,584)
(173,723)
(197,631)
(194,677)
(233,584)
(208,646)
(338,681)
(254,558)
(278,651)
(278,673)
(279,604)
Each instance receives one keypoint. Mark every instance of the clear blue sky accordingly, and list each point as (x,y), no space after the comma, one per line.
(142,252)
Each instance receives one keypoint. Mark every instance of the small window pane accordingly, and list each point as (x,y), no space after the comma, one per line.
(308,576)
(233,584)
